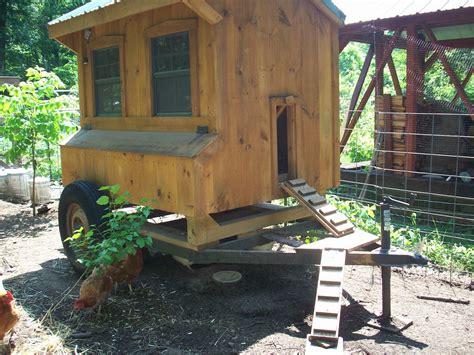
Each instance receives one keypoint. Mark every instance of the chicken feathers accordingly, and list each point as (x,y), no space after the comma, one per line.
(94,290)
(9,314)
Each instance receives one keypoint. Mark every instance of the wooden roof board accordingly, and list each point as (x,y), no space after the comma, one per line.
(99,12)
(176,144)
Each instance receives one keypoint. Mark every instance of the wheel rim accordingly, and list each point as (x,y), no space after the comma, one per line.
(75,219)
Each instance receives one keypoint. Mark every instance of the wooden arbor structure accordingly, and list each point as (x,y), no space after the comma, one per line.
(418,35)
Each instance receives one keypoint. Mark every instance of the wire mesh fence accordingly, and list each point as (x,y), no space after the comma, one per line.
(442,176)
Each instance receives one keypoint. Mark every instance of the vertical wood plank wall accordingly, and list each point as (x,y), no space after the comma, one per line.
(261,49)
(269,49)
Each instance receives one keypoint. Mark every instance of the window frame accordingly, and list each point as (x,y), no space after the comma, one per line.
(169,28)
(104,43)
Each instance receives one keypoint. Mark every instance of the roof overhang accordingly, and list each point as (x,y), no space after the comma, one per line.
(330,10)
(105,11)
(442,18)
(99,12)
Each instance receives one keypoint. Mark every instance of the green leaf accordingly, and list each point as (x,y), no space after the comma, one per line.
(371,213)
(120,200)
(141,243)
(115,188)
(103,200)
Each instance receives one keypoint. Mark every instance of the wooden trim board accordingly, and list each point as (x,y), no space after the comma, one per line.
(124,8)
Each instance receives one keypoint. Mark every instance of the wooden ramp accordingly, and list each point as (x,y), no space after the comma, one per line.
(327,309)
(324,337)
(329,217)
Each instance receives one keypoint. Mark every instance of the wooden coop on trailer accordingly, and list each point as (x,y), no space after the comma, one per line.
(215,108)
(205,106)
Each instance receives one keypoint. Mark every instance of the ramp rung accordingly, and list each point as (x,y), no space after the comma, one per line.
(306,190)
(345,228)
(327,306)
(328,274)
(297,182)
(333,258)
(326,322)
(316,200)
(327,210)
(329,290)
(338,219)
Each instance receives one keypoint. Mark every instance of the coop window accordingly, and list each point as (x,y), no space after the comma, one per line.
(171,75)
(107,83)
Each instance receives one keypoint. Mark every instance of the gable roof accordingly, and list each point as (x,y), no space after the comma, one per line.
(99,12)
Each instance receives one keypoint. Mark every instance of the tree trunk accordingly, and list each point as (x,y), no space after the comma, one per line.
(33,197)
(3,34)
(50,161)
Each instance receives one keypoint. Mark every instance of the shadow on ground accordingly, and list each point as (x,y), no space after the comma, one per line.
(23,224)
(176,308)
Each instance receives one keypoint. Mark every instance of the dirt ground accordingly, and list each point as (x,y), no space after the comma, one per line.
(176,310)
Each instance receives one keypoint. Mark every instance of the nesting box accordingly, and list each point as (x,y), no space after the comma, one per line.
(205,105)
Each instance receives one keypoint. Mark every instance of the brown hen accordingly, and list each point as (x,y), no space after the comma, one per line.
(9,314)
(94,290)
(127,270)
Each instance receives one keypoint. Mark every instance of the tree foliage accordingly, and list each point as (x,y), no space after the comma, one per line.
(33,120)
(24,41)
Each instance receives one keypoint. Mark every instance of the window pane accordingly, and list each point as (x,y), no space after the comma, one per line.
(114,70)
(107,81)
(171,74)
(108,100)
(164,64)
(173,95)
(181,62)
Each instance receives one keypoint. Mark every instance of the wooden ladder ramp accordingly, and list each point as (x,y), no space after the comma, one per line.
(326,214)
(324,335)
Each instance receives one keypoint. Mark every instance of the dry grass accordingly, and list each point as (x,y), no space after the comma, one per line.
(33,337)
(45,335)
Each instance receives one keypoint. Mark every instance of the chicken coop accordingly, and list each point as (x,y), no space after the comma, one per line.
(205,106)
(214,109)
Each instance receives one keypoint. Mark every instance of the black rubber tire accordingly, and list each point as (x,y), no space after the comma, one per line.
(84,194)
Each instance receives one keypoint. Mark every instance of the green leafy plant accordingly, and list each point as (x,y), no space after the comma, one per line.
(33,120)
(118,236)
